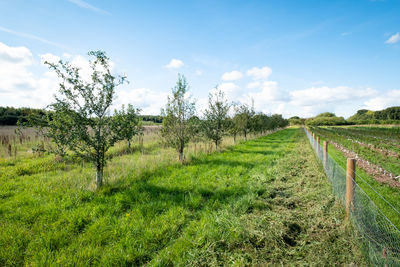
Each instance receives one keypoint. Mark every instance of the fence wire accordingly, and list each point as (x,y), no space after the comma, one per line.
(380,236)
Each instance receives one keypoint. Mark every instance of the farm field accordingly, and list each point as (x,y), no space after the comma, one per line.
(241,206)
(378,161)
(378,145)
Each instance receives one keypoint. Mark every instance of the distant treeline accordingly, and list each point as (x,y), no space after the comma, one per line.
(10,115)
(363,116)
(152,118)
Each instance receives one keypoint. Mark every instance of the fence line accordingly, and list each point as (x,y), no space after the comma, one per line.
(380,236)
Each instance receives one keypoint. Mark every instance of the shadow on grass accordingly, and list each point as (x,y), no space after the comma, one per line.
(154,199)
(211,162)
(141,186)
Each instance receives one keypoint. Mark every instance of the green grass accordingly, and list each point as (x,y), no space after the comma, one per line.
(262,202)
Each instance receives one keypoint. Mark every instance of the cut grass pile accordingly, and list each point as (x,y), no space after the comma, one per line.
(264,201)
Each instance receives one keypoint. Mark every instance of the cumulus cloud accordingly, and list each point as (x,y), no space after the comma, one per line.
(393,39)
(325,94)
(25,81)
(253,85)
(391,98)
(259,73)
(149,101)
(18,85)
(49,58)
(232,76)
(268,97)
(269,92)
(18,55)
(342,100)
(231,90)
(174,64)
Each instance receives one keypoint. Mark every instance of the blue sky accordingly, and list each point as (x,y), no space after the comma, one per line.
(291,57)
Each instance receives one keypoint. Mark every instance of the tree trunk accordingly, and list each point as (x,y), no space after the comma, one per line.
(181,153)
(216,145)
(129,144)
(234,138)
(245,135)
(99,176)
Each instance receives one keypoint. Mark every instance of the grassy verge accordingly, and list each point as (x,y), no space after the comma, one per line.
(265,201)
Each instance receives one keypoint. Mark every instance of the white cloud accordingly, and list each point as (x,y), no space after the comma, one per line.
(88,6)
(259,73)
(49,58)
(174,64)
(342,100)
(18,55)
(393,39)
(253,85)
(268,99)
(232,76)
(391,98)
(18,85)
(324,94)
(149,101)
(269,92)
(230,90)
(25,81)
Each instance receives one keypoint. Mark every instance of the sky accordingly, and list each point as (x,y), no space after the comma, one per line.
(291,57)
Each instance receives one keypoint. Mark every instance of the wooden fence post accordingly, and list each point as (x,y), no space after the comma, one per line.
(325,153)
(317,145)
(350,184)
(313,140)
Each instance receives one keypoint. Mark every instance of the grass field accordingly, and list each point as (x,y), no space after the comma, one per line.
(262,202)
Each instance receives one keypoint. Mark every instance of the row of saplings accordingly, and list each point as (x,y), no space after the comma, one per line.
(79,119)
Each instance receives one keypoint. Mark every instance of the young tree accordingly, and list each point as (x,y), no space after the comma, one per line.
(243,119)
(232,128)
(128,123)
(177,128)
(82,107)
(215,117)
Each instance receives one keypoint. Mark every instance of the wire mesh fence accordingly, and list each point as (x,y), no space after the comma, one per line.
(380,236)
